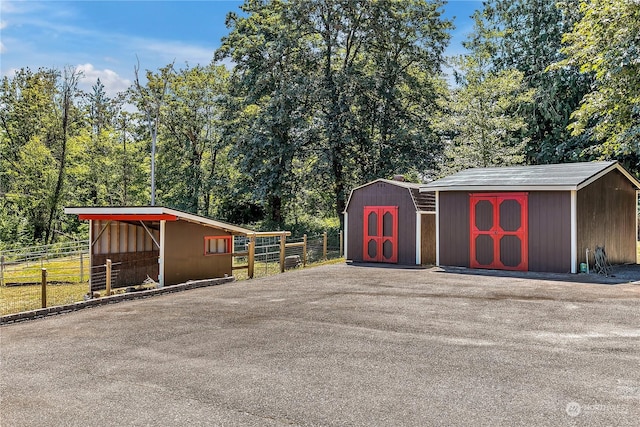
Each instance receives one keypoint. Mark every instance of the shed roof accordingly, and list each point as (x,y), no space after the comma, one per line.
(424,201)
(151,213)
(557,177)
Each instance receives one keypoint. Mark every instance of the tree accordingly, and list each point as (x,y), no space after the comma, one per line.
(39,114)
(348,86)
(149,99)
(605,44)
(485,118)
(192,145)
(380,65)
(269,98)
(526,35)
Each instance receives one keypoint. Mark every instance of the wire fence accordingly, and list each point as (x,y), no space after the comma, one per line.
(46,276)
(63,267)
(299,252)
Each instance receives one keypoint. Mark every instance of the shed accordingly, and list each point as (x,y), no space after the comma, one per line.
(164,244)
(538,218)
(391,222)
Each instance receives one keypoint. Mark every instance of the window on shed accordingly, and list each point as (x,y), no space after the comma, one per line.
(217,245)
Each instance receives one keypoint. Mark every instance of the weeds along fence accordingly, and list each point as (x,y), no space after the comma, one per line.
(47,276)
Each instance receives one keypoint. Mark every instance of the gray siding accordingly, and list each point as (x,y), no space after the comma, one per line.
(454,228)
(550,231)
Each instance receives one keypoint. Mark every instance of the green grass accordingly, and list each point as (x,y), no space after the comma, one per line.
(23,289)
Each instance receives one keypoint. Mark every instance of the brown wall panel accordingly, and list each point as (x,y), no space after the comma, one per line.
(607,217)
(184,253)
(428,239)
(382,194)
(454,228)
(550,231)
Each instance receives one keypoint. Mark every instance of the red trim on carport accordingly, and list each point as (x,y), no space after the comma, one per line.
(128,217)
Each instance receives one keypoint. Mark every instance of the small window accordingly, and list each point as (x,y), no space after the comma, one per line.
(217,245)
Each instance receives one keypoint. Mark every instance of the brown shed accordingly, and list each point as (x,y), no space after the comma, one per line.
(391,222)
(167,245)
(537,218)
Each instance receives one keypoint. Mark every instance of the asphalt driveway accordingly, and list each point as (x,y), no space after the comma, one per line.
(336,345)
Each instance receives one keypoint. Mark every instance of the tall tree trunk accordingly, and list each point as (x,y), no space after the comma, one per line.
(69,89)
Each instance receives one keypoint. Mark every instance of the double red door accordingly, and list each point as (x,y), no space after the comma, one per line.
(380,234)
(499,236)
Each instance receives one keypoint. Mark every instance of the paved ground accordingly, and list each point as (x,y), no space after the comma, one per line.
(336,345)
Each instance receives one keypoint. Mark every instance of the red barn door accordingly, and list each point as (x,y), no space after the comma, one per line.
(380,234)
(499,237)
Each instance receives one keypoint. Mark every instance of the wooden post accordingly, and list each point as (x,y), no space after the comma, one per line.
(251,257)
(304,250)
(44,288)
(2,270)
(81,267)
(341,244)
(283,249)
(324,245)
(108,277)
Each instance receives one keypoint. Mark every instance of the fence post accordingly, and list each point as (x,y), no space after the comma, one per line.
(81,267)
(108,277)
(251,257)
(283,249)
(324,245)
(2,270)
(304,250)
(44,288)
(341,244)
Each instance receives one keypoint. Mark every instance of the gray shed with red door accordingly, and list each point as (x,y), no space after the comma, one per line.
(390,221)
(537,218)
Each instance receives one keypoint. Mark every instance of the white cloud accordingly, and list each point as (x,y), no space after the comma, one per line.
(112,81)
(2,48)
(3,25)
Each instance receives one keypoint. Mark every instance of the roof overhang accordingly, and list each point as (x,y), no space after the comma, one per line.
(496,188)
(151,213)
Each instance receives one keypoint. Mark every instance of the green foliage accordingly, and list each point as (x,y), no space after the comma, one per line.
(526,36)
(604,43)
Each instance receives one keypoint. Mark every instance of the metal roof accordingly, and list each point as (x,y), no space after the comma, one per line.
(136,213)
(424,201)
(557,177)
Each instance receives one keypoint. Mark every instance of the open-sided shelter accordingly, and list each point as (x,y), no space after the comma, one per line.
(164,244)
(390,221)
(538,218)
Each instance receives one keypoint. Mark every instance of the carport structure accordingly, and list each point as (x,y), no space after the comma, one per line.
(167,245)
(538,218)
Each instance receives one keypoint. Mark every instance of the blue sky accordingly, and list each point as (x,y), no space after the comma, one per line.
(103,38)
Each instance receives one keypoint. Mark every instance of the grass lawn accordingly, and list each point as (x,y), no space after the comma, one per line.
(64,284)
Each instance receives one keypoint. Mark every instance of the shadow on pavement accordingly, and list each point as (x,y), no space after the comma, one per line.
(620,274)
